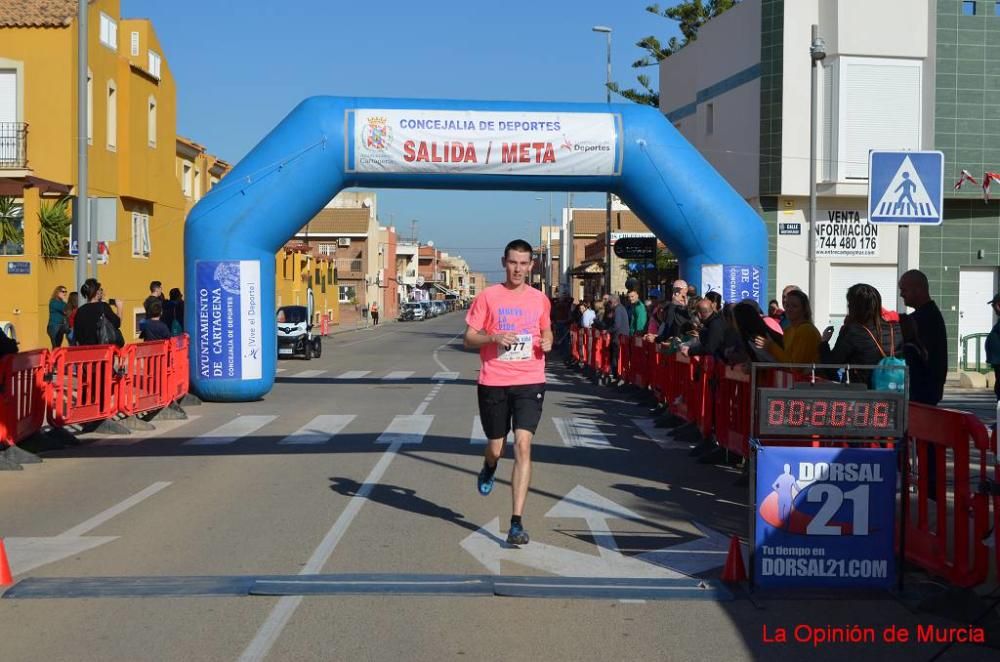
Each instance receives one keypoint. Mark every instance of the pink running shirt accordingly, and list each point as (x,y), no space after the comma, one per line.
(526,313)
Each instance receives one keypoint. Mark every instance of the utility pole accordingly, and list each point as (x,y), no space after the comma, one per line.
(82,202)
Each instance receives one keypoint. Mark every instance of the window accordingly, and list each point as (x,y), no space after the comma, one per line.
(328,249)
(90,107)
(13,218)
(968,8)
(709,119)
(186,180)
(112,116)
(151,122)
(138,317)
(109,32)
(154,64)
(135,44)
(348,294)
(140,235)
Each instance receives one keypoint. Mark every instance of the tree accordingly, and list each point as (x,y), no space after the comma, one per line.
(690,16)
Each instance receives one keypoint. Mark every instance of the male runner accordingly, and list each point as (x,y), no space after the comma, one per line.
(510,324)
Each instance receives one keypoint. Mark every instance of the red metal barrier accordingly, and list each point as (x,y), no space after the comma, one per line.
(639,362)
(574,343)
(145,384)
(84,384)
(22,395)
(944,544)
(178,368)
(732,409)
(600,359)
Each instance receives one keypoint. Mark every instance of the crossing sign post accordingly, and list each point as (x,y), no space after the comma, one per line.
(905,188)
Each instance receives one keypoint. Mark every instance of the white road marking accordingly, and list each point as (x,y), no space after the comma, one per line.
(306,374)
(280,370)
(659,436)
(353,374)
(231,431)
(398,375)
(101,518)
(162,428)
(319,430)
(581,433)
(285,609)
(406,430)
(447,376)
(477,437)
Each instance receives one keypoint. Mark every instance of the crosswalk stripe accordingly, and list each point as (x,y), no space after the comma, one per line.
(581,432)
(446,376)
(477,437)
(353,374)
(235,429)
(409,429)
(306,374)
(398,375)
(319,430)
(280,370)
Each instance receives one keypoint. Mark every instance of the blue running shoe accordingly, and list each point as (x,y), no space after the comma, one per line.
(517,535)
(485,479)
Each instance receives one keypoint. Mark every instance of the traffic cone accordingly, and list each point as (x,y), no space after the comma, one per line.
(734,570)
(5,577)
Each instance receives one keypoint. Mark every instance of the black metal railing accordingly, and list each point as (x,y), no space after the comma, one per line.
(13,144)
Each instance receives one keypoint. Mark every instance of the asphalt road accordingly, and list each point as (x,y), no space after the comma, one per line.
(357,473)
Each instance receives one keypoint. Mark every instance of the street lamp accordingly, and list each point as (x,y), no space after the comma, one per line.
(817,53)
(607,216)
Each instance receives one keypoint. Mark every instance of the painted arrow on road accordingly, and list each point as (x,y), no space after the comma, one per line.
(695,556)
(594,509)
(486,547)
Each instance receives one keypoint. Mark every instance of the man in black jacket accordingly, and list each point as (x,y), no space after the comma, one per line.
(713,329)
(675,315)
(926,381)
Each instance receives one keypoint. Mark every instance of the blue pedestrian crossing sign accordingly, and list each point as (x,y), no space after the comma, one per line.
(905,188)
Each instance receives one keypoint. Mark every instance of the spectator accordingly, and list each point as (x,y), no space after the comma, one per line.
(993,347)
(607,315)
(57,326)
(620,328)
(713,330)
(800,342)
(374,313)
(7,344)
(774,310)
(676,313)
(173,312)
(716,300)
(655,320)
(784,303)
(89,318)
(692,291)
(72,305)
(751,324)
(155,294)
(577,315)
(926,378)
(587,316)
(155,328)
(865,338)
(638,319)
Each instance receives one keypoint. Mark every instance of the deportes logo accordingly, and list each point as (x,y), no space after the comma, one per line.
(377,134)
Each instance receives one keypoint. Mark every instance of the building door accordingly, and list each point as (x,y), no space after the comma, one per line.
(976,286)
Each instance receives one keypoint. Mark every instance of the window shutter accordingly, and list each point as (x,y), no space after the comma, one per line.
(146,244)
(136,229)
(135,43)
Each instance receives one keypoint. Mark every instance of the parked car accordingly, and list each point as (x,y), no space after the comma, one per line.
(412,311)
(429,309)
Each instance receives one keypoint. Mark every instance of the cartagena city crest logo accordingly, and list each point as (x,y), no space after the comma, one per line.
(377,133)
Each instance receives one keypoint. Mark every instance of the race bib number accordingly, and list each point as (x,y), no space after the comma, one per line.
(520,350)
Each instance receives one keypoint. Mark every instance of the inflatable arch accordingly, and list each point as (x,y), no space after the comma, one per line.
(330,143)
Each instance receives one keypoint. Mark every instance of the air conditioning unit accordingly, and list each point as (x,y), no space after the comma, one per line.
(344,241)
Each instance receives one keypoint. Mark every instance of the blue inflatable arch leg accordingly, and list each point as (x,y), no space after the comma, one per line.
(330,143)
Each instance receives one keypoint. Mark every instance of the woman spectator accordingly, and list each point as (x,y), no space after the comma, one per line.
(800,343)
(750,325)
(865,338)
(72,305)
(57,326)
(716,300)
(88,325)
(173,312)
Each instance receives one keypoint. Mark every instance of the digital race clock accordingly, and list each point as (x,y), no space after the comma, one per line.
(830,413)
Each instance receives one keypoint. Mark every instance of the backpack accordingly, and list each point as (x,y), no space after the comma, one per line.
(890,375)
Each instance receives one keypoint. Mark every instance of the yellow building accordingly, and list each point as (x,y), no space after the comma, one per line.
(197,171)
(299,267)
(132,155)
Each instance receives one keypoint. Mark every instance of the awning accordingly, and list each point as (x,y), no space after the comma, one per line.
(445,290)
(14,186)
(587,269)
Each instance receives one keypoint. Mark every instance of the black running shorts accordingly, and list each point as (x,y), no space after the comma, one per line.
(503,408)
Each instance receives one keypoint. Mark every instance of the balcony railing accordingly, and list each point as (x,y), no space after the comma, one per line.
(13,145)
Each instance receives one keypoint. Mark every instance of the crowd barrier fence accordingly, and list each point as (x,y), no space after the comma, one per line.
(84,384)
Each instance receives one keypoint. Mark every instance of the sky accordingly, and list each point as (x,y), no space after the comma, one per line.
(241,67)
